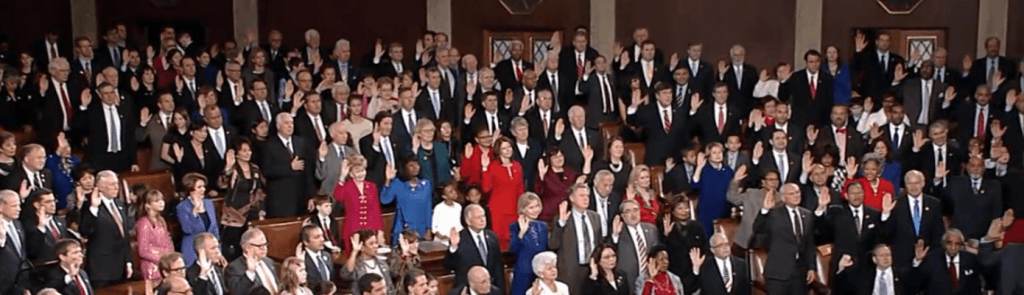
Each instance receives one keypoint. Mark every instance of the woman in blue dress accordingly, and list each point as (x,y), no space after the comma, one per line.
(712,178)
(62,164)
(413,196)
(526,243)
(842,82)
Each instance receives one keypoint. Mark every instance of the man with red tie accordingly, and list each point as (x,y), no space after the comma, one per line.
(808,91)
(849,142)
(510,71)
(69,278)
(48,228)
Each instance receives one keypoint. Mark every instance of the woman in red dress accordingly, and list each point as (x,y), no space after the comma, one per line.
(360,196)
(639,189)
(875,187)
(503,180)
(472,167)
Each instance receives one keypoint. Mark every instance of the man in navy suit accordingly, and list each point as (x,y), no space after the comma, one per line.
(475,245)
(741,78)
(664,125)
(721,273)
(110,128)
(46,228)
(789,232)
(808,91)
(910,218)
(319,263)
(69,277)
(878,66)
(853,228)
(883,278)
(13,244)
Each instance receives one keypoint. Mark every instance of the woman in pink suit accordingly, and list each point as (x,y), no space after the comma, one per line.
(151,230)
(503,180)
(360,197)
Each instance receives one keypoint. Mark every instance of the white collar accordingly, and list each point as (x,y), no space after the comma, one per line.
(859,209)
(919,198)
(312,116)
(956,258)
(783,127)
(29,173)
(981,107)
(598,195)
(406,113)
(812,76)
(283,139)
(662,109)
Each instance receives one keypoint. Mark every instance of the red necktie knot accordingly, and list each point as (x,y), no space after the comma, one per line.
(841,130)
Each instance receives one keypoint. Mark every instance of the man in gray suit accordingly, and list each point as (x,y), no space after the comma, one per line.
(789,233)
(751,200)
(576,233)
(332,156)
(634,242)
(923,110)
(152,128)
(254,270)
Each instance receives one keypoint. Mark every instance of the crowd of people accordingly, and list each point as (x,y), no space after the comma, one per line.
(909,167)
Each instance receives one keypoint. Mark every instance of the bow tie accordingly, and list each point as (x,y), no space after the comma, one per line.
(841,130)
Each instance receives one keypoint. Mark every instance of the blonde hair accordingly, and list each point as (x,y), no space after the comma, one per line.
(525,199)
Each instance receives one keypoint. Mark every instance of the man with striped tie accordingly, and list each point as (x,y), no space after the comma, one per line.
(633,240)
(722,273)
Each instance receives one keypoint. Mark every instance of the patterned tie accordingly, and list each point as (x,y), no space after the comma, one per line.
(215,281)
(882,285)
(917,218)
(66,102)
(814,86)
(668,123)
(579,67)
(609,105)
(857,220)
(721,118)
(641,249)
(53,229)
(117,217)
(519,71)
(726,277)
(82,290)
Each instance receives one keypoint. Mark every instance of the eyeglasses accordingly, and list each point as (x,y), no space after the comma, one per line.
(264,245)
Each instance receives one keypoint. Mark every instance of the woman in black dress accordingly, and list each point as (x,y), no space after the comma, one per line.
(605,276)
(617,160)
(8,152)
(679,230)
(196,155)
(244,199)
(177,133)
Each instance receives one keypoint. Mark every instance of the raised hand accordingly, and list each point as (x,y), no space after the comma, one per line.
(949,95)
(24,190)
(824,198)
(807,162)
(940,170)
(674,60)
(358,245)
(1007,218)
(769,199)
(702,160)
(378,49)
(390,172)
(860,41)
(467,152)
(593,267)
(524,224)
(484,162)
(559,126)
(722,67)
(900,73)
(919,139)
(298,164)
(652,268)
(496,57)
(134,83)
(563,211)
(542,168)
(322,149)
(44,84)
(617,225)
(812,133)
(670,163)
(786,73)
(758,150)
(453,236)
(997,128)
(696,258)
(524,105)
(741,173)
(624,57)
(763,76)
(920,250)
(875,131)
(588,153)
(86,97)
(666,224)
(888,203)
(869,104)
(588,67)
(695,102)
(845,262)
(617,48)
(851,167)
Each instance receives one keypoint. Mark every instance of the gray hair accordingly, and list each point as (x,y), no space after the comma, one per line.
(542,260)
(519,121)
(720,235)
(339,86)
(575,109)
(279,119)
(603,174)
(952,231)
(104,175)
(201,239)
(578,186)
(250,234)
(341,42)
(912,173)
(484,69)
(311,33)
(56,63)
(517,42)
(873,157)
(736,48)
(470,208)
(8,197)
(48,291)
(622,206)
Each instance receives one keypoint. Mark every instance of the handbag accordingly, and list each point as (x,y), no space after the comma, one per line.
(235,217)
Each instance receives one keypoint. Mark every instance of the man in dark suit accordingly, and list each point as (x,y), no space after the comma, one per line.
(634,239)
(543,117)
(475,246)
(635,49)
(977,199)
(319,265)
(928,154)
(778,158)
(288,164)
(33,173)
(951,271)
(185,41)
(789,231)
(468,88)
(564,240)
(558,81)
(45,50)
(347,71)
(14,277)
(69,277)
(524,97)
(974,118)
(916,216)
(231,90)
(106,224)
(924,96)
(877,67)
(879,277)
(442,63)
(701,73)
(84,67)
(60,101)
(849,142)
(275,53)
(254,269)
(852,227)
(191,82)
(944,73)
(206,275)
(1014,137)
(723,274)
(380,148)
(808,91)
(605,201)
(479,282)
(983,69)
(599,89)
(313,53)
(434,101)
(391,65)
(795,133)
(252,110)
(110,130)
(220,137)
(154,129)
(648,69)
(111,54)
(818,186)
(491,118)
(404,127)
(575,140)
(664,125)
(309,122)
(897,134)
(527,150)
(510,70)
(573,59)
(46,228)
(741,78)
(682,88)
(717,119)
(680,175)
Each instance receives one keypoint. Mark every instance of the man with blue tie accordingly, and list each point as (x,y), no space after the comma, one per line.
(14,272)
(905,220)
(319,263)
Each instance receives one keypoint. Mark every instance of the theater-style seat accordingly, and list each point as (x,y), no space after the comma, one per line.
(639,151)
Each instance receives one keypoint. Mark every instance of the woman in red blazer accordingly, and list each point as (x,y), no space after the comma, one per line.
(875,187)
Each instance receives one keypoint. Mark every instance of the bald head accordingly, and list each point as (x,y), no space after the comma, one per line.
(479,280)
(791,195)
(177,284)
